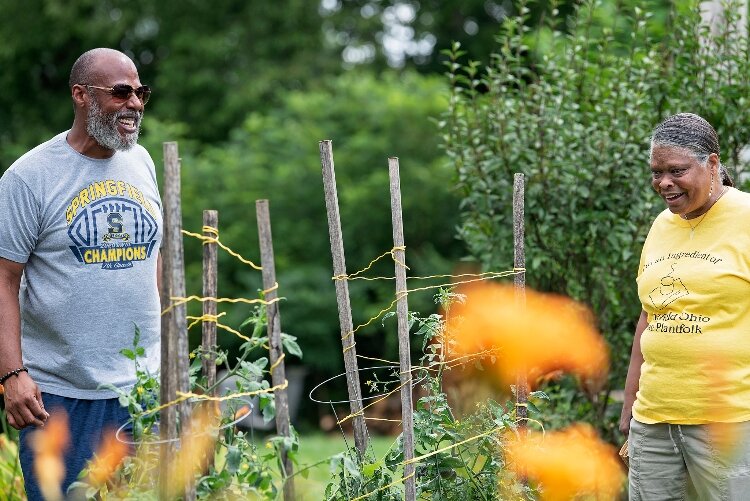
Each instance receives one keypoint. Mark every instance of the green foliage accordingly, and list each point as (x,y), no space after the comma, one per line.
(575,119)
(240,469)
(11,478)
(412,33)
(456,458)
(208,63)
(275,156)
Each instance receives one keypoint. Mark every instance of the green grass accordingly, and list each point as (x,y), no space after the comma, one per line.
(315,447)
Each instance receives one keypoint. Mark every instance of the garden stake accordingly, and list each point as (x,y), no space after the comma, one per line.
(342,297)
(402,312)
(519,283)
(174,347)
(210,289)
(276,350)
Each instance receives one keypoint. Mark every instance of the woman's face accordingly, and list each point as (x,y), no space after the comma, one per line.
(682,181)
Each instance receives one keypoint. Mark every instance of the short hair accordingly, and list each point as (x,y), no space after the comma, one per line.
(693,133)
(83,70)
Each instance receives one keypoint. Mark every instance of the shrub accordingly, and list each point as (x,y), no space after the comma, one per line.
(571,105)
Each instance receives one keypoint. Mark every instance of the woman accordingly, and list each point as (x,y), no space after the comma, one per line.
(687,393)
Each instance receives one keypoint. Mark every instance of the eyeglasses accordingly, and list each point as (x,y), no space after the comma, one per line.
(124,91)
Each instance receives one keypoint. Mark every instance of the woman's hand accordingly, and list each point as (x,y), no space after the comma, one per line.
(627,413)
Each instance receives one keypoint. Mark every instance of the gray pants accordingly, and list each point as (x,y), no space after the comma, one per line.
(677,462)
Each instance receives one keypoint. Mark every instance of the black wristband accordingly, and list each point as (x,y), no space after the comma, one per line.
(13,373)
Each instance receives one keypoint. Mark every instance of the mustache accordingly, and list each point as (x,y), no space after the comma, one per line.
(136,115)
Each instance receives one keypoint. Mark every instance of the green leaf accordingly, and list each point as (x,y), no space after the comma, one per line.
(539,394)
(451,462)
(369,469)
(269,411)
(233,458)
(290,345)
(136,336)
(128,353)
(351,467)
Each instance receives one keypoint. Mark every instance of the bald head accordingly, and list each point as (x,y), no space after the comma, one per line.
(89,68)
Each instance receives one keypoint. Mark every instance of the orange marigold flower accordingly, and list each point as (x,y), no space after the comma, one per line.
(49,444)
(197,445)
(567,463)
(537,336)
(109,456)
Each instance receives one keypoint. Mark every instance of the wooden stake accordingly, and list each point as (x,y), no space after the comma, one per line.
(276,351)
(210,289)
(342,296)
(404,347)
(174,348)
(208,328)
(519,282)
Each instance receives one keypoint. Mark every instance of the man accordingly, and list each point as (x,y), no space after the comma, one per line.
(79,261)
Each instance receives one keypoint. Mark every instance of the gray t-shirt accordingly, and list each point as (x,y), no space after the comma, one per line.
(89,232)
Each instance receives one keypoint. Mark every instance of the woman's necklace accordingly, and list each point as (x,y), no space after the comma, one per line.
(692,228)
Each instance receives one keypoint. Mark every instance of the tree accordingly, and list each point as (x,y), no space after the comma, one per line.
(208,65)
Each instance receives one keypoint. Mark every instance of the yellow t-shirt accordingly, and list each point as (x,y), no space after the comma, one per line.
(696,292)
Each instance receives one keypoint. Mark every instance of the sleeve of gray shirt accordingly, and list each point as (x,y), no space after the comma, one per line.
(19,228)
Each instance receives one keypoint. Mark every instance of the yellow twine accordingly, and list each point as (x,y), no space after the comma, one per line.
(182,396)
(448,447)
(274,287)
(382,419)
(361,411)
(378,315)
(215,240)
(401,294)
(395,482)
(182,300)
(483,275)
(276,363)
(353,276)
(375,359)
(213,318)
(201,396)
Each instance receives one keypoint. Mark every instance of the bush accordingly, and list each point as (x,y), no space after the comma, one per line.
(571,105)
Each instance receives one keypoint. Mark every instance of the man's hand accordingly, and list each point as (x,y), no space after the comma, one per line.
(23,402)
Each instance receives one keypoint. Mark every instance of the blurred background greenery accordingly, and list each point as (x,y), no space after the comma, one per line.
(248,88)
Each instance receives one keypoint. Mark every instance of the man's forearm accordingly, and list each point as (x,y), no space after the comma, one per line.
(10,316)
(10,332)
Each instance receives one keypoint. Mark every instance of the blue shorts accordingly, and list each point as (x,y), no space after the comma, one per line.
(88,420)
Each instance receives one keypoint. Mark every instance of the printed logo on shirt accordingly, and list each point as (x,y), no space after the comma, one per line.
(670,317)
(111,224)
(670,290)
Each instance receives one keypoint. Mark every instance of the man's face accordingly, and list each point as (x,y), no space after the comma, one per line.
(116,129)
(114,122)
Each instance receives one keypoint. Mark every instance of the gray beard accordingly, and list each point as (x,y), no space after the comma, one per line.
(103,128)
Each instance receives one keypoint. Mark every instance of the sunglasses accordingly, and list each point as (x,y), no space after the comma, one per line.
(124,91)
